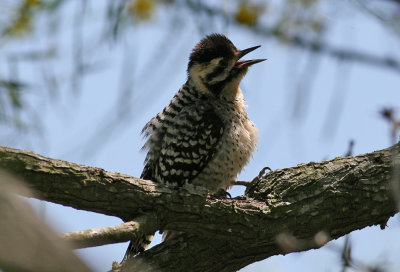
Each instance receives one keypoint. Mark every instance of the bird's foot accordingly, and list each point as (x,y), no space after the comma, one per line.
(262,172)
(221,193)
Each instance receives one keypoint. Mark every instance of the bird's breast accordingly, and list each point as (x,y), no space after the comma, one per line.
(234,149)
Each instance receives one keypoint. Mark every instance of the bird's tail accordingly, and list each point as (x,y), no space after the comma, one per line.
(137,246)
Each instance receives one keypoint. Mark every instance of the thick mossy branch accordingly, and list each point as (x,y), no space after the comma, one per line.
(324,192)
(335,197)
(82,187)
(298,208)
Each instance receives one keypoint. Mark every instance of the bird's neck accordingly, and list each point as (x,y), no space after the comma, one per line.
(229,91)
(197,83)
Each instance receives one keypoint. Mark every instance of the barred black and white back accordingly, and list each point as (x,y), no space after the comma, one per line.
(204,136)
(182,138)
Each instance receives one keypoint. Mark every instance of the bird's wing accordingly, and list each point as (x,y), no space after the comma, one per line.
(189,143)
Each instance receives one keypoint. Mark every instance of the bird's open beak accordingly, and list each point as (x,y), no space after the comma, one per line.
(246,63)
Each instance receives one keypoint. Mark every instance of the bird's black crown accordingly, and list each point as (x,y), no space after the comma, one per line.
(212,46)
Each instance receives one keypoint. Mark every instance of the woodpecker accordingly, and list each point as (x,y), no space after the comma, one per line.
(204,136)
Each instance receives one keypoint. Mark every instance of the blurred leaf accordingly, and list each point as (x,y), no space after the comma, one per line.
(23,20)
(141,9)
(15,99)
(12,90)
(12,84)
(306,3)
(248,13)
(24,16)
(51,6)
(33,2)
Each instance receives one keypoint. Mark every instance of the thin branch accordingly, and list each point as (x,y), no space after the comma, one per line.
(390,23)
(111,235)
(241,182)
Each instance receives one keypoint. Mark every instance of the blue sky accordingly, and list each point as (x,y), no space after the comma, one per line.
(153,70)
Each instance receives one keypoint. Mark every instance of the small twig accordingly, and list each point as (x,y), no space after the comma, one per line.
(389,114)
(242,182)
(110,235)
(349,152)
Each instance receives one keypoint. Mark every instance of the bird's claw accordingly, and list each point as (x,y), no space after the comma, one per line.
(262,172)
(221,193)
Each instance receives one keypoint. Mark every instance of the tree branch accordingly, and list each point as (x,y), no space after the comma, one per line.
(111,235)
(336,196)
(82,187)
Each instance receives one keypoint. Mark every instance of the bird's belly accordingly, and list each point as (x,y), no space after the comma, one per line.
(234,151)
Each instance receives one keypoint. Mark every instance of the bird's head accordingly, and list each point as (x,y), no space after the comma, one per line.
(215,65)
